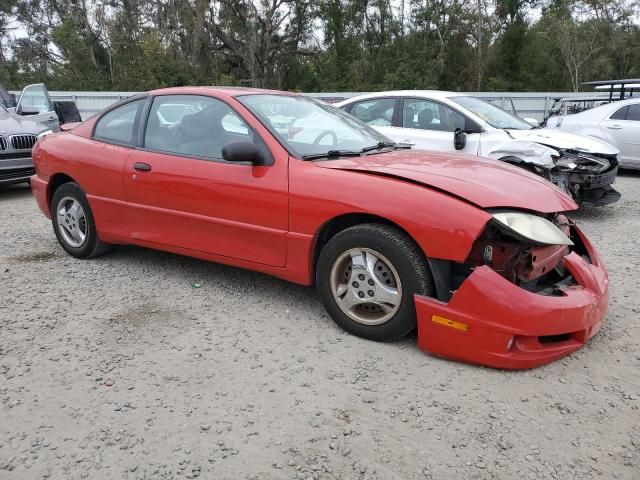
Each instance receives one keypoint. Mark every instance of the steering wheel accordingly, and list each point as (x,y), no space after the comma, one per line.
(325,133)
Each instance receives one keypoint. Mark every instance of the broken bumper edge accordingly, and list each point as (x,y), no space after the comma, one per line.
(491,321)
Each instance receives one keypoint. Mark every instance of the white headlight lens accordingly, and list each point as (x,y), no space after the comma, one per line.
(534,228)
(45,133)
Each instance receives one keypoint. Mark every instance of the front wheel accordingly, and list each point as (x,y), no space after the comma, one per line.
(366,278)
(73,222)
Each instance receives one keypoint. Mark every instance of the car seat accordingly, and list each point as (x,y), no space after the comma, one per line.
(425,119)
(408,116)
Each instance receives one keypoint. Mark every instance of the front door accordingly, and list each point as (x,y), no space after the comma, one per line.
(35,103)
(429,125)
(624,127)
(181,193)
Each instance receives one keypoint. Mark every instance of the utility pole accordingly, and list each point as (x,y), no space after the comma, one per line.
(479,39)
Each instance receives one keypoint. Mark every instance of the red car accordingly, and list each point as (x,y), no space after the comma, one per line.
(475,253)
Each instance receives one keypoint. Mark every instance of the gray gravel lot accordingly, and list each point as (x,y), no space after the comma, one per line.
(147,365)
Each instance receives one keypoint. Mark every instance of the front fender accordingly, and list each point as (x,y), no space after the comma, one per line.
(528,152)
(443,226)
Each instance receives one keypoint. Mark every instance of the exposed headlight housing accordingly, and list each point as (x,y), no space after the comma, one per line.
(532,227)
(44,134)
(575,160)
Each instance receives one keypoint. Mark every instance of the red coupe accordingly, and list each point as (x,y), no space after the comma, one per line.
(475,253)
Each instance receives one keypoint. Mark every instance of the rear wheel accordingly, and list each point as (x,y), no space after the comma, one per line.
(366,278)
(73,222)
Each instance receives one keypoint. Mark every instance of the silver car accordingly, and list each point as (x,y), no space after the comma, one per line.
(617,123)
(18,135)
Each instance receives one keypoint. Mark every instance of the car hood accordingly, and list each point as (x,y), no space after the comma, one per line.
(11,124)
(481,181)
(562,140)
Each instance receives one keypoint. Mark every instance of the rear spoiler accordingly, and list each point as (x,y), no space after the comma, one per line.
(65,127)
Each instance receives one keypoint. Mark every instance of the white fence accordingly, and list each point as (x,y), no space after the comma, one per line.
(527,104)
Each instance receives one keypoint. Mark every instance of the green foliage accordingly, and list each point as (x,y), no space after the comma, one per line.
(319,45)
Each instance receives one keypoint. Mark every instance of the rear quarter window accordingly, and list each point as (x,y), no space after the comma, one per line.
(120,125)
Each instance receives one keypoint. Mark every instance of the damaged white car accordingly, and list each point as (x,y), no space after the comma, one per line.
(584,167)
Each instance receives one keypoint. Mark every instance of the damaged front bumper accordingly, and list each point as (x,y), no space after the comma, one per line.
(594,189)
(491,321)
(590,182)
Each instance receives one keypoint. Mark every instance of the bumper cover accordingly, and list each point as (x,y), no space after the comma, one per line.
(495,323)
(15,170)
(596,189)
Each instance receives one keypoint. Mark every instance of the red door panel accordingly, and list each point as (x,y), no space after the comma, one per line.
(234,210)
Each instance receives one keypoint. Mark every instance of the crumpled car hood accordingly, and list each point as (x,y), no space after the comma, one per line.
(481,181)
(563,140)
(11,124)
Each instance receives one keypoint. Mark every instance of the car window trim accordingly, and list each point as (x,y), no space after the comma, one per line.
(466,117)
(270,160)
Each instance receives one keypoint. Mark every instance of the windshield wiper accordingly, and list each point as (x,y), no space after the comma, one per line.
(332,154)
(378,146)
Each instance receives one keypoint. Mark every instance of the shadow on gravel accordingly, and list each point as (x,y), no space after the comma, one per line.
(34,257)
(14,191)
(609,211)
(225,277)
(629,173)
(196,270)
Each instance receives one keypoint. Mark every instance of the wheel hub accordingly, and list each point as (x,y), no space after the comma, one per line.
(72,222)
(366,286)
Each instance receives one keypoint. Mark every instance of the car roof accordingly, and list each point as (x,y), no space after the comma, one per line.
(225,90)
(435,94)
(606,108)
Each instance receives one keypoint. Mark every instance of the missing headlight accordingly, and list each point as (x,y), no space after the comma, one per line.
(580,161)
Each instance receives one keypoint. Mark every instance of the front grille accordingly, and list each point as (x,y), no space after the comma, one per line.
(3,143)
(17,173)
(23,142)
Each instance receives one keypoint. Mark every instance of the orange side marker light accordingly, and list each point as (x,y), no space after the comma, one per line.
(446,322)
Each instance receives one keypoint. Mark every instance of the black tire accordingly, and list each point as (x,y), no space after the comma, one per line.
(92,246)
(407,259)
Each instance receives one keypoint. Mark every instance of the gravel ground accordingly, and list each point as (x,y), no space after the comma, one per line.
(147,365)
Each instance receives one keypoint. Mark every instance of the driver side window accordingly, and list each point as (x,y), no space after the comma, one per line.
(193,125)
(430,115)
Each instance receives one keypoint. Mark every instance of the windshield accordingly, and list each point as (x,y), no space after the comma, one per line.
(494,116)
(308,127)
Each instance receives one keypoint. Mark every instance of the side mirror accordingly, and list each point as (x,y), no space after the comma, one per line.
(27,111)
(532,121)
(459,139)
(242,151)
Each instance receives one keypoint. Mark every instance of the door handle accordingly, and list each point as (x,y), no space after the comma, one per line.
(614,127)
(142,167)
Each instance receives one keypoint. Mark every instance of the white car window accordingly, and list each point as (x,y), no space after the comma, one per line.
(620,114)
(430,115)
(634,112)
(377,112)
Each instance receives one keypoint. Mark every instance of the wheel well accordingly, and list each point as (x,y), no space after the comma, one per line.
(440,269)
(518,162)
(342,222)
(56,181)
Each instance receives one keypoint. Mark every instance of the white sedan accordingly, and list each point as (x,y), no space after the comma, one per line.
(617,123)
(582,166)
